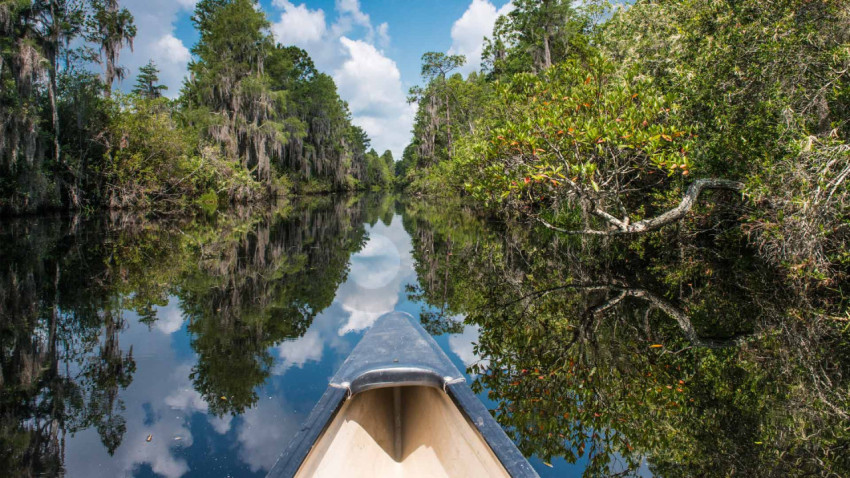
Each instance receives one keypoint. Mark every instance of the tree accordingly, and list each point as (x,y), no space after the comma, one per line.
(768,109)
(535,35)
(407,163)
(317,121)
(621,353)
(147,82)
(229,80)
(111,27)
(61,20)
(378,172)
(435,68)
(388,159)
(580,136)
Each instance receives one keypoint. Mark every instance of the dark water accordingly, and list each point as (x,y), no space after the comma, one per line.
(195,347)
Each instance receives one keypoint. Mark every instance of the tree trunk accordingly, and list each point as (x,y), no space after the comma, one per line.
(448,126)
(51,93)
(51,90)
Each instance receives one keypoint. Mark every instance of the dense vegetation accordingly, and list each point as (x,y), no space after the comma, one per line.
(253,120)
(601,119)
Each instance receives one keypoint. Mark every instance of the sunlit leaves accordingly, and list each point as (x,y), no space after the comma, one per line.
(573,129)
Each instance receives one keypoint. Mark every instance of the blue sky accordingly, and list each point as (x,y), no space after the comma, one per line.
(371,47)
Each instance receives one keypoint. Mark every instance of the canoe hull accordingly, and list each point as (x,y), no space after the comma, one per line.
(399,407)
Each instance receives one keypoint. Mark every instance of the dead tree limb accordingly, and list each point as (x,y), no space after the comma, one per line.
(627,226)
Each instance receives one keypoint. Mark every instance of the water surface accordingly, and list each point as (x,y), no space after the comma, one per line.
(196,346)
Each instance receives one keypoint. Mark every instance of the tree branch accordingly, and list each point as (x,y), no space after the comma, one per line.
(626,226)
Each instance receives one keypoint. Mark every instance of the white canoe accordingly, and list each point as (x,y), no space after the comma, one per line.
(398,407)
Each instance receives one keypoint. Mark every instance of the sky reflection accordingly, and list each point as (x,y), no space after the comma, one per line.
(187,439)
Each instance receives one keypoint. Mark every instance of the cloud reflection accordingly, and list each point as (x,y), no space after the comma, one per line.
(297,352)
(463,345)
(264,432)
(378,274)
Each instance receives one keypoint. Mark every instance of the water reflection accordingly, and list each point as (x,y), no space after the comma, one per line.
(670,354)
(196,347)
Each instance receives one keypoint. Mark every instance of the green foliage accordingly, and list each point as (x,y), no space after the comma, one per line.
(148,158)
(245,281)
(379,172)
(535,35)
(253,120)
(568,131)
(110,28)
(752,93)
(147,82)
(319,122)
(234,41)
(763,84)
(208,202)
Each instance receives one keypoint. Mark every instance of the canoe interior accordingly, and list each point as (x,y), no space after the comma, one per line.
(407,431)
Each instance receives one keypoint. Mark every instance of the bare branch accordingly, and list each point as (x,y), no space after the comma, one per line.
(626,226)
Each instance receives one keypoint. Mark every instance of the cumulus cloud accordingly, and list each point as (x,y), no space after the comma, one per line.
(377,264)
(169,319)
(158,403)
(469,30)
(297,352)
(378,273)
(155,40)
(371,83)
(341,45)
(262,431)
(383,33)
(463,345)
(351,49)
(351,8)
(298,25)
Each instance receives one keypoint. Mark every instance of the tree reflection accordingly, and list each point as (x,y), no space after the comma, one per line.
(62,367)
(696,358)
(259,285)
(246,280)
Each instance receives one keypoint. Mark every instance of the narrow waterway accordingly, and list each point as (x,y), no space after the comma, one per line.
(196,347)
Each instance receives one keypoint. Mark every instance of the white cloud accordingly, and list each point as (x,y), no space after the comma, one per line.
(298,25)
(377,264)
(264,430)
(221,425)
(158,403)
(351,9)
(371,83)
(187,399)
(360,319)
(349,46)
(384,34)
(469,30)
(369,293)
(351,49)
(188,5)
(155,40)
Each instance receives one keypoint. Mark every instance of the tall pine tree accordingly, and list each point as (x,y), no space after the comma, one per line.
(147,82)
